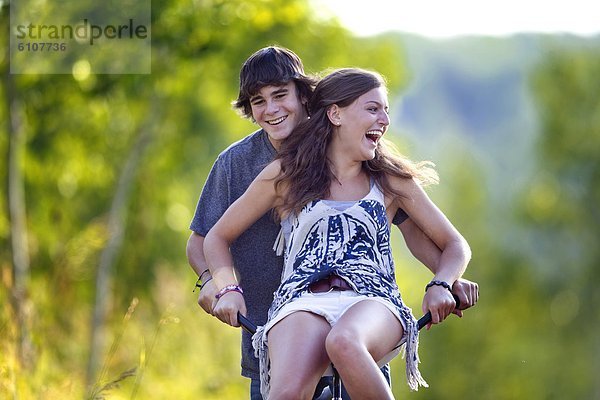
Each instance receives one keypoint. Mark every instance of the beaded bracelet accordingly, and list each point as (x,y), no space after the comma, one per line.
(438,283)
(227,289)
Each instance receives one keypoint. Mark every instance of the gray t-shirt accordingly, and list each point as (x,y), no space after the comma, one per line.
(258,266)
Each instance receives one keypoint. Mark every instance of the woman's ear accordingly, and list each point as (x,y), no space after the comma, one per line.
(333,113)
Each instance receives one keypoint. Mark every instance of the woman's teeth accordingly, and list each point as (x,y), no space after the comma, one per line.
(373,136)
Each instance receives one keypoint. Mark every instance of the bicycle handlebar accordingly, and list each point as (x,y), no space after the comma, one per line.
(246,324)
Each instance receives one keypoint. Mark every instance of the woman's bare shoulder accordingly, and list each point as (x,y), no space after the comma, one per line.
(401,185)
(271,171)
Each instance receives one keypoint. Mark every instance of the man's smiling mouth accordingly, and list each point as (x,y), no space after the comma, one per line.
(277,121)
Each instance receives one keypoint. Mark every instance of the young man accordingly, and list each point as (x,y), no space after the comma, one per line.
(273,93)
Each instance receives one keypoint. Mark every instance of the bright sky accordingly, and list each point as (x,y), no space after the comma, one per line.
(448,18)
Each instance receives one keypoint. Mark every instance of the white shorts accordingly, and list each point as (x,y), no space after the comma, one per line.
(331,306)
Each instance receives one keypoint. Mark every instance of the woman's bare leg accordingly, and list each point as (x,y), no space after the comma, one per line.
(297,354)
(365,333)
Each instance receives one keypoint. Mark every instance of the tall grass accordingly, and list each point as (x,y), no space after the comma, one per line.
(103,384)
(163,347)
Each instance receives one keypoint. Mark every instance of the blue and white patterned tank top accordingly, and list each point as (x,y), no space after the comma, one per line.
(353,243)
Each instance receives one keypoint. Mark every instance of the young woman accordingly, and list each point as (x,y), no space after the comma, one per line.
(335,186)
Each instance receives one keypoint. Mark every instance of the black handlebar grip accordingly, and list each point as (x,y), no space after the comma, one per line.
(246,324)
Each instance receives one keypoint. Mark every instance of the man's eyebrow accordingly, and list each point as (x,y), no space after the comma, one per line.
(281,90)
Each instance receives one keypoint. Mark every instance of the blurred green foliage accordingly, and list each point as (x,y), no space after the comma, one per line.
(532,335)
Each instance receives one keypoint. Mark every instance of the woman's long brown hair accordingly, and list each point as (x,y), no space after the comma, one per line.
(305,170)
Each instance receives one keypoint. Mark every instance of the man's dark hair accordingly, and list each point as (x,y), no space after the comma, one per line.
(271,66)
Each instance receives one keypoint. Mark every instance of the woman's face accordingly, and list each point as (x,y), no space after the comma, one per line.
(363,123)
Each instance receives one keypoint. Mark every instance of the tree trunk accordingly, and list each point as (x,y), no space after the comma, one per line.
(117,219)
(21,304)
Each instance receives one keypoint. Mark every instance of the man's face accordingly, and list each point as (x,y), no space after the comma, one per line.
(278,109)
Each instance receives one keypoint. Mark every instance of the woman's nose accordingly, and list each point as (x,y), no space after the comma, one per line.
(384,118)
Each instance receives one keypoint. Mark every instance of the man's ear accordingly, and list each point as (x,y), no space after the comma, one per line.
(333,113)
(304,103)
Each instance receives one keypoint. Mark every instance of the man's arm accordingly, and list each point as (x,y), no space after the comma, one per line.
(424,250)
(212,203)
(195,256)
(420,245)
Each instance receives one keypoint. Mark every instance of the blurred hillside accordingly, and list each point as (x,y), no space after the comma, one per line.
(469,99)
(472,97)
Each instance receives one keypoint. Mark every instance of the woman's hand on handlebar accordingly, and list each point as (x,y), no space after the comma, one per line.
(439,302)
(228,306)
